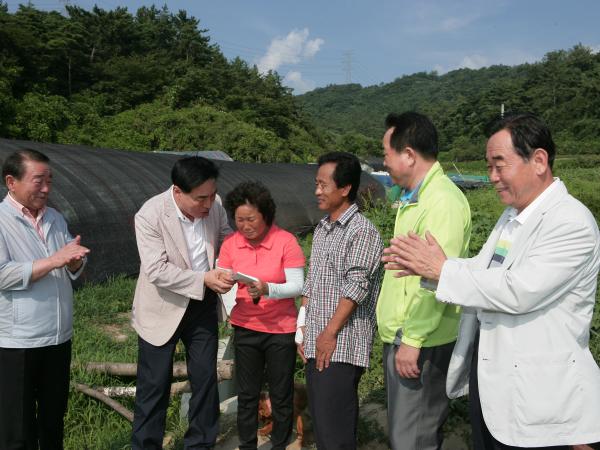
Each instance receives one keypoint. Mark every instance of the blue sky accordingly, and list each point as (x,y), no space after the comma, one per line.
(314,43)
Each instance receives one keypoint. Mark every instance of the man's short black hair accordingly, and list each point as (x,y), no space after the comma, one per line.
(528,133)
(189,173)
(15,163)
(347,170)
(251,193)
(414,130)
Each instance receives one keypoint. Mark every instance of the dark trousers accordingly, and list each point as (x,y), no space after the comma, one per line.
(482,438)
(198,332)
(34,390)
(333,403)
(254,350)
(417,407)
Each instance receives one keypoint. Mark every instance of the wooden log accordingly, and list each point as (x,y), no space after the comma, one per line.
(224,369)
(117,391)
(129,391)
(107,400)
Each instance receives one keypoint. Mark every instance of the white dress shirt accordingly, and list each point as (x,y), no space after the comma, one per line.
(195,238)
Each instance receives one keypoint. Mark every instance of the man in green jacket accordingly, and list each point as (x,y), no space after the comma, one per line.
(417,331)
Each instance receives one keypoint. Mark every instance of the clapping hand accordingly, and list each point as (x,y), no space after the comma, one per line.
(71,255)
(412,255)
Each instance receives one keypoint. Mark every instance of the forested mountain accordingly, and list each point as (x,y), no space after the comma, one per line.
(152,80)
(144,81)
(564,88)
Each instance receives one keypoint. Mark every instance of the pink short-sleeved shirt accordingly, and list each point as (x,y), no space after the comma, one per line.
(279,250)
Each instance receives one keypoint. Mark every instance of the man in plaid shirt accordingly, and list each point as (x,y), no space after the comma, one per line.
(339,295)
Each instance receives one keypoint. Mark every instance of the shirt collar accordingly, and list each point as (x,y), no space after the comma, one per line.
(411,197)
(181,216)
(528,211)
(267,242)
(23,210)
(342,220)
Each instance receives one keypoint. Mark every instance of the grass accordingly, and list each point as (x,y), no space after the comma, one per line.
(101,311)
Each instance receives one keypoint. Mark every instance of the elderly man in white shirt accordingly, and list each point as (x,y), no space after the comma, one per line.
(38,260)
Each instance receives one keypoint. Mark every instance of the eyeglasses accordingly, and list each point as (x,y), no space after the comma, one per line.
(323,186)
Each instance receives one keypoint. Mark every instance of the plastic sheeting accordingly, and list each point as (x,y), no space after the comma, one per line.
(100,190)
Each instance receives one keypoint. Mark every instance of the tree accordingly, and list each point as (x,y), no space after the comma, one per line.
(39,117)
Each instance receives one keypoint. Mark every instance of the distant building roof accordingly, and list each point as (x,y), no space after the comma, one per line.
(208,154)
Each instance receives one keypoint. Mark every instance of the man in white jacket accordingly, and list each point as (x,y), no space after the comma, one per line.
(522,351)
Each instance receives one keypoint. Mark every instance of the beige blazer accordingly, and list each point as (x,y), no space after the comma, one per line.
(538,381)
(166,282)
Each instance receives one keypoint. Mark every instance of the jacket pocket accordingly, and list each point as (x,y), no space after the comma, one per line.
(548,389)
(34,318)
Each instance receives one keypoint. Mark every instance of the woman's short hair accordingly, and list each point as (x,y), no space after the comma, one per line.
(251,193)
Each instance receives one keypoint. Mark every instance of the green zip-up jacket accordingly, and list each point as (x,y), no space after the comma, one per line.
(404,307)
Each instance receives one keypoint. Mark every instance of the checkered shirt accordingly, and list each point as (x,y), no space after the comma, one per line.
(344,262)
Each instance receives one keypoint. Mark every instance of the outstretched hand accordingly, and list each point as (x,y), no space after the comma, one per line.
(411,255)
(218,280)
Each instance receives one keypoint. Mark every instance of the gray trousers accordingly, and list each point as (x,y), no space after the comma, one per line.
(417,407)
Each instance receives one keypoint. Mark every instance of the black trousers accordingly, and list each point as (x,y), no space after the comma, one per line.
(253,351)
(333,403)
(199,334)
(34,390)
(482,438)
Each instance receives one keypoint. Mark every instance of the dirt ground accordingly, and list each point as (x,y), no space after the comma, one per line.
(373,413)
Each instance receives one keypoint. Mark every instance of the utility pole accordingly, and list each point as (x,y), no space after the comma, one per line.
(347,66)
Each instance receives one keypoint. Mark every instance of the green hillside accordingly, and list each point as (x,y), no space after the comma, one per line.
(564,88)
(151,80)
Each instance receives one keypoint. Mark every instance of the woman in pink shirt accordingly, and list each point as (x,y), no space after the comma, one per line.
(264,316)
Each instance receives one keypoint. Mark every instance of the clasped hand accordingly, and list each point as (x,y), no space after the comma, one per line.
(71,255)
(258,289)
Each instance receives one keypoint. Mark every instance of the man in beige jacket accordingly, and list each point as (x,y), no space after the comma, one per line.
(178,234)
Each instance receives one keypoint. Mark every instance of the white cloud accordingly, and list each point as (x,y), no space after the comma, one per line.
(294,80)
(312,47)
(440,69)
(468,62)
(595,48)
(449,61)
(473,62)
(435,17)
(456,23)
(291,49)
